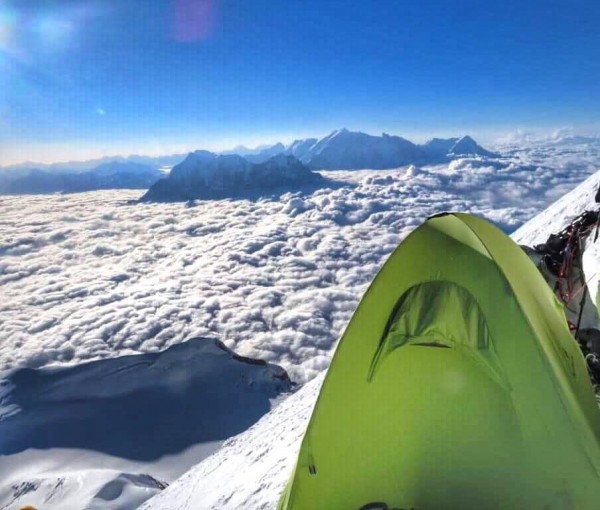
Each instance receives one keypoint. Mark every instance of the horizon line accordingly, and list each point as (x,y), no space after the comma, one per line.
(97,154)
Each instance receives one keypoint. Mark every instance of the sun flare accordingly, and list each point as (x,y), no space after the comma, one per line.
(7,28)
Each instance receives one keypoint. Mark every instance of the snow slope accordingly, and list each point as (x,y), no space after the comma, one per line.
(153,415)
(557,216)
(99,489)
(560,213)
(251,469)
(266,452)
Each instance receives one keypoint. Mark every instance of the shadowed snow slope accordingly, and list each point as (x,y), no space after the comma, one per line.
(466,146)
(265,154)
(132,412)
(266,453)
(153,404)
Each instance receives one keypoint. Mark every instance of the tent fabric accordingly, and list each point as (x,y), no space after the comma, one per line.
(434,314)
(456,385)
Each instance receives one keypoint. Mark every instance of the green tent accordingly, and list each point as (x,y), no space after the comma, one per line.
(456,385)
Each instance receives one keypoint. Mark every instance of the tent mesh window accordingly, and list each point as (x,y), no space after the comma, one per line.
(437,314)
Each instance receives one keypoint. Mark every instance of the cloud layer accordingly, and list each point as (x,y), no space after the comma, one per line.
(90,276)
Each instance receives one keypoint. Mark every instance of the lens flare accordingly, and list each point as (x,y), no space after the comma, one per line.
(53,30)
(193,20)
(8,22)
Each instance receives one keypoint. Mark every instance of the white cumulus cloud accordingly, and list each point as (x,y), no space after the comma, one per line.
(89,275)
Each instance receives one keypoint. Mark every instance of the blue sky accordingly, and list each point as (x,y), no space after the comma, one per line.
(81,78)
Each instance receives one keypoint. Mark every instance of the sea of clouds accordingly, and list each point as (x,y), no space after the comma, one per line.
(92,275)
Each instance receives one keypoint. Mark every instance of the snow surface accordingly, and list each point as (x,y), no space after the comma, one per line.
(251,470)
(98,489)
(559,215)
(154,415)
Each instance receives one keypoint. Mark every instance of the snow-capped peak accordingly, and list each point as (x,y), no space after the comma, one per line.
(204,175)
(466,146)
(343,149)
(351,150)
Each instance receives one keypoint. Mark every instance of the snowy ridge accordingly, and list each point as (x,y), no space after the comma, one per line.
(343,149)
(97,489)
(300,148)
(347,150)
(258,154)
(251,469)
(554,218)
(466,146)
(266,153)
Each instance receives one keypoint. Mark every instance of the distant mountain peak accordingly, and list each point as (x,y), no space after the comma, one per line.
(467,146)
(343,149)
(442,150)
(352,150)
(204,175)
(121,174)
(241,149)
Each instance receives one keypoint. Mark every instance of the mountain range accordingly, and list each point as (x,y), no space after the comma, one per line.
(112,175)
(205,175)
(237,172)
(352,150)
